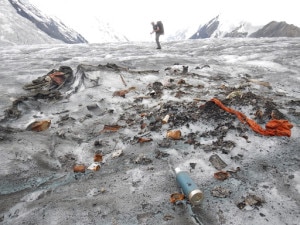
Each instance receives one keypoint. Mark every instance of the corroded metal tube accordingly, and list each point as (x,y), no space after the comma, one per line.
(189,188)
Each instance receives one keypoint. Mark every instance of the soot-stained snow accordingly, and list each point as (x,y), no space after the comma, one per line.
(120,101)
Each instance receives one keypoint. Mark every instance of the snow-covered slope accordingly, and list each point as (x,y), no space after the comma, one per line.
(86,17)
(52,27)
(17,30)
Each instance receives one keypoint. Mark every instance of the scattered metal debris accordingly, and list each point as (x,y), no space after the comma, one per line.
(79,169)
(217,162)
(250,202)
(221,175)
(174,134)
(220,192)
(175,197)
(39,125)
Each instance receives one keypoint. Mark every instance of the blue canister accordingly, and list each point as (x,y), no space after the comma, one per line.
(189,188)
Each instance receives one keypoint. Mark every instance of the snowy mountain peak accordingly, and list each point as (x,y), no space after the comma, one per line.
(21,22)
(277,29)
(53,27)
(222,26)
(17,30)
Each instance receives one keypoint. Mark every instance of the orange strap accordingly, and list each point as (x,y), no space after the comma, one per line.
(273,127)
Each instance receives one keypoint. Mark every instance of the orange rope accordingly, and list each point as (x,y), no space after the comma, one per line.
(273,127)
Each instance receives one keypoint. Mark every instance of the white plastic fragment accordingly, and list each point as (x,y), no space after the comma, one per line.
(117,153)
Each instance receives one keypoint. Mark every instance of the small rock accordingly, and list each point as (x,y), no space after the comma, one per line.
(193,165)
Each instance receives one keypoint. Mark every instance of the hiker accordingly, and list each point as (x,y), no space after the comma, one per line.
(158,28)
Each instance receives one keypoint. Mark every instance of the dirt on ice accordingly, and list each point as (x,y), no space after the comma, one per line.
(86,132)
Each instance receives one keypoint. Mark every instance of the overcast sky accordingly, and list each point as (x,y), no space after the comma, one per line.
(133,17)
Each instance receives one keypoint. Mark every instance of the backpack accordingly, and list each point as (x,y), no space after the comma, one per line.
(161,27)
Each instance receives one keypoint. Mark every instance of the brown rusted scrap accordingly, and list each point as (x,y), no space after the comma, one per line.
(122,93)
(110,128)
(221,175)
(251,201)
(142,140)
(258,114)
(98,158)
(174,134)
(143,114)
(57,77)
(79,169)
(175,197)
(143,125)
(179,94)
(39,125)
(181,81)
(53,80)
